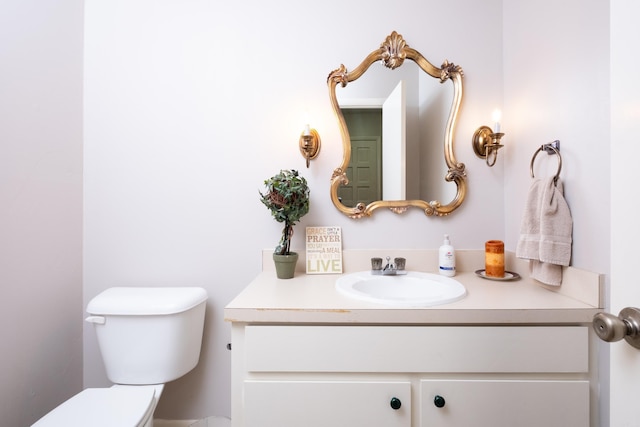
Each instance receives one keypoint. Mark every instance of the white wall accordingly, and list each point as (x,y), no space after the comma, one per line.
(189,106)
(40,207)
(625,126)
(556,85)
(184,101)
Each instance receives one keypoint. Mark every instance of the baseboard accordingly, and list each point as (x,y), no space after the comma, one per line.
(173,423)
(207,422)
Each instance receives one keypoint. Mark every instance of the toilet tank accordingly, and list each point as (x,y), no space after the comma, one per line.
(148,335)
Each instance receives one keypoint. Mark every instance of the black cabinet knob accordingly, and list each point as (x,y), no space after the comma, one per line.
(439,401)
(395,403)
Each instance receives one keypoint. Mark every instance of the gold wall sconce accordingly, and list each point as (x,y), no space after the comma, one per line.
(486,141)
(309,143)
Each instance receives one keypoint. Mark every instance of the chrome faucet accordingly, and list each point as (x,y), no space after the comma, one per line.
(390,269)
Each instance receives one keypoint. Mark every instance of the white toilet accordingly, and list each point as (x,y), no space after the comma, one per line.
(147,337)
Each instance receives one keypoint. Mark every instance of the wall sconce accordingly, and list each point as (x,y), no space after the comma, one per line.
(486,142)
(309,144)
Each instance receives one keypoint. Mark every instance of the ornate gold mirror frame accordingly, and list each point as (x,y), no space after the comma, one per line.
(392,52)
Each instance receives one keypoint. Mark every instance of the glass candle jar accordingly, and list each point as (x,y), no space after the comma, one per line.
(494,258)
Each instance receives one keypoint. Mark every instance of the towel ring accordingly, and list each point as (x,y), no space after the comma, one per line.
(551,148)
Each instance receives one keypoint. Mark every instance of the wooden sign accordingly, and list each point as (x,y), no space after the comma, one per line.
(324,250)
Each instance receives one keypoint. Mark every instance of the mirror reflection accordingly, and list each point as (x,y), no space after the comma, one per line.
(397,124)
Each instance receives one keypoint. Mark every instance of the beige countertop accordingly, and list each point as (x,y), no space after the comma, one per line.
(314,299)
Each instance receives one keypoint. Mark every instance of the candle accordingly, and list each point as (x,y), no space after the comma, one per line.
(307,130)
(497,115)
(494,258)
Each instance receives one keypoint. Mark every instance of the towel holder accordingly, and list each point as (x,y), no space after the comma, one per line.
(550,148)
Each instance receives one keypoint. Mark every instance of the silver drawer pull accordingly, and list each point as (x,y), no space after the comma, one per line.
(626,325)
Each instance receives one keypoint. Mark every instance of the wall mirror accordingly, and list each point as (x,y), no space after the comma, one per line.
(397,119)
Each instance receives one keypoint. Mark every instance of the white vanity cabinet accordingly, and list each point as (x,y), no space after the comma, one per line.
(427,376)
(510,354)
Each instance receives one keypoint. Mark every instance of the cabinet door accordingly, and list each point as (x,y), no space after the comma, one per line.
(462,403)
(327,404)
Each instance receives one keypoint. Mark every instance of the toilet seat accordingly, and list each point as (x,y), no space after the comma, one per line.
(123,406)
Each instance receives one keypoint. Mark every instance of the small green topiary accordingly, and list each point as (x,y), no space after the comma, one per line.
(287,197)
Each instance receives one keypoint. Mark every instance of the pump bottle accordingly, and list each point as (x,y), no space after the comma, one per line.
(447,258)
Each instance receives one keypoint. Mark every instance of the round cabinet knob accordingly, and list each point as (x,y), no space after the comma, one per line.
(439,401)
(609,328)
(395,403)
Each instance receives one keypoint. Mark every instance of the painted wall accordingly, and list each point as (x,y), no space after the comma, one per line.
(625,125)
(557,86)
(190,106)
(40,207)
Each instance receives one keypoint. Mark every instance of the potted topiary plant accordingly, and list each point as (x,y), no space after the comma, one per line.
(287,197)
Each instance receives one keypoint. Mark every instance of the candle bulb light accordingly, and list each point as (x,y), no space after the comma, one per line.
(309,143)
(487,141)
(497,115)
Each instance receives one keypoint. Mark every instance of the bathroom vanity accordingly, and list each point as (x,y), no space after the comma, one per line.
(509,353)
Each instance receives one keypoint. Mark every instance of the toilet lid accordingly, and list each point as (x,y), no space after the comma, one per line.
(102,407)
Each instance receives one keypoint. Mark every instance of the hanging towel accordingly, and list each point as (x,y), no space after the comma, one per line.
(545,232)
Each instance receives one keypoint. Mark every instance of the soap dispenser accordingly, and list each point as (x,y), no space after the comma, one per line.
(447,258)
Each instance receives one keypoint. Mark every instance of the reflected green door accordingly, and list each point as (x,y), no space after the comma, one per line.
(365,166)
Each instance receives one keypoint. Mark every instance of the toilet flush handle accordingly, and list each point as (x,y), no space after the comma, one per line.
(99,320)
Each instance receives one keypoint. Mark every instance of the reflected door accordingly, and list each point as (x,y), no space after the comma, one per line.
(394,163)
(365,167)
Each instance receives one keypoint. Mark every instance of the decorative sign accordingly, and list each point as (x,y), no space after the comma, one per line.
(324,250)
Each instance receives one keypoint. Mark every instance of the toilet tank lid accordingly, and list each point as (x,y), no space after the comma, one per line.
(136,301)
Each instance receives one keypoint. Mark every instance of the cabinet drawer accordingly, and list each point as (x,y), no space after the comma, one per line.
(326,403)
(504,403)
(417,349)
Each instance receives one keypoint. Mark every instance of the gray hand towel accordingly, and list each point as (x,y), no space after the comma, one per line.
(545,232)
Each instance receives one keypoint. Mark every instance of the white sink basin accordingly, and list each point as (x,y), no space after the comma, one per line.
(414,289)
